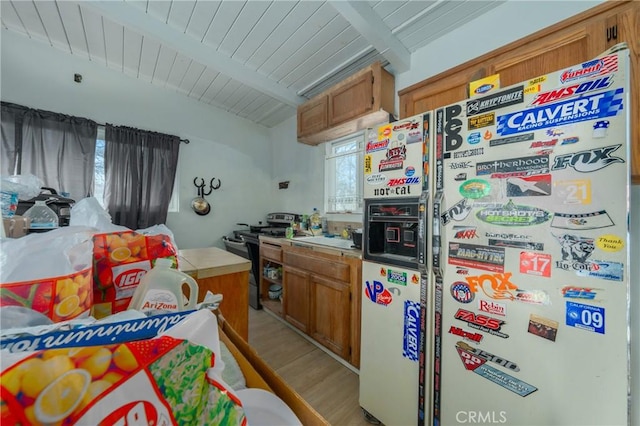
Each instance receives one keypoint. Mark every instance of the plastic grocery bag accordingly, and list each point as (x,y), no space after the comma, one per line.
(17,187)
(49,272)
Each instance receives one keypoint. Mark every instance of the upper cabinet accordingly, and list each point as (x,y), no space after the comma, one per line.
(577,39)
(360,101)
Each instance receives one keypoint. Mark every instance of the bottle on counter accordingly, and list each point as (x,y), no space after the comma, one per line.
(161,290)
(315,222)
(42,217)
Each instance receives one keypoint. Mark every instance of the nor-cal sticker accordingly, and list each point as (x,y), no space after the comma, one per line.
(589,160)
(475,256)
(511,214)
(582,221)
(590,107)
(461,292)
(586,317)
(543,327)
(411,330)
(376,292)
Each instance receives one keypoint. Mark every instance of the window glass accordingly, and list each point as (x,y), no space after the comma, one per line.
(343,174)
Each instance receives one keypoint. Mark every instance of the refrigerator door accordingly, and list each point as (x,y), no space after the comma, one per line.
(390,343)
(393,159)
(532,298)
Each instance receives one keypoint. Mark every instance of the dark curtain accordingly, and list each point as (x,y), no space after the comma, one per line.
(140,169)
(57,148)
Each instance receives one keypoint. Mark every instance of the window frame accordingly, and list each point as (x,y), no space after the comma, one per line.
(329,171)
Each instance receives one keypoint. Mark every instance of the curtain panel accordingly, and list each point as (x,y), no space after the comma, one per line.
(57,148)
(140,169)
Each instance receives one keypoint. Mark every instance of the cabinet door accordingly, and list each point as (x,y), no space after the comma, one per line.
(296,297)
(330,314)
(351,99)
(312,116)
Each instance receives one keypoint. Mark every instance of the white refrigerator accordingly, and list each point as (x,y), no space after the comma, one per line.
(531,252)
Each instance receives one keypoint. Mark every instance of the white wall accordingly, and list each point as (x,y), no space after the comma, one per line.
(222,145)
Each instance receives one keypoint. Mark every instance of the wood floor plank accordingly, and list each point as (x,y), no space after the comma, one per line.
(330,387)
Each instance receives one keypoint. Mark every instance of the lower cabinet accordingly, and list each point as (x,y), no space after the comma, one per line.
(296,297)
(331,314)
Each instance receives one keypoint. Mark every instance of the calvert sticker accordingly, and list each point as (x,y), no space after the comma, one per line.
(475,188)
(586,317)
(511,214)
(591,107)
(377,293)
(461,292)
(411,331)
(543,327)
(582,221)
(497,100)
(376,179)
(589,160)
(529,186)
(478,257)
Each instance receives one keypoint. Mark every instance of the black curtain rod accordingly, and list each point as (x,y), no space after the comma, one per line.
(185,141)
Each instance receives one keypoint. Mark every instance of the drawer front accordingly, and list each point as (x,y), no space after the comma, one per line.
(272,252)
(324,267)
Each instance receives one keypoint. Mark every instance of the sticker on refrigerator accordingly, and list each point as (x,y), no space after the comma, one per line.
(526,245)
(468,153)
(612,271)
(461,292)
(474,138)
(466,335)
(495,101)
(574,249)
(376,179)
(480,121)
(458,212)
(368,164)
(543,327)
(465,232)
(512,214)
(411,330)
(571,91)
(610,243)
(591,107)
(373,146)
(492,307)
(475,188)
(377,293)
(586,317)
(535,264)
(475,256)
(582,221)
(532,186)
(581,293)
(396,277)
(576,191)
(525,137)
(600,129)
(519,166)
(481,322)
(589,160)
(487,356)
(595,67)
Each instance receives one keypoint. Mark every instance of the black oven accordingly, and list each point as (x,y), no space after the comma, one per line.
(391,231)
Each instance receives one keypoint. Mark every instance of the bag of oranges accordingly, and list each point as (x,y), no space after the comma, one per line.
(49,273)
(120,260)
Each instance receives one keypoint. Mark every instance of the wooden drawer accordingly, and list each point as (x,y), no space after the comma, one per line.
(319,266)
(271,252)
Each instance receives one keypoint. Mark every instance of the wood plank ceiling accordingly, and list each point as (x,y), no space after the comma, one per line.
(254,59)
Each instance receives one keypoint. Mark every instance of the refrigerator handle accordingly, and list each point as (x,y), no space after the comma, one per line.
(423,231)
(436,243)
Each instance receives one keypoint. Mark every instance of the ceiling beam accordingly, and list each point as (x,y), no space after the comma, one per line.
(367,22)
(135,19)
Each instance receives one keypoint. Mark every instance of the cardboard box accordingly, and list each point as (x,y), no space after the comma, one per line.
(16,226)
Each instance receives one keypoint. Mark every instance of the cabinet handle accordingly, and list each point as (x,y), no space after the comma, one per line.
(612,33)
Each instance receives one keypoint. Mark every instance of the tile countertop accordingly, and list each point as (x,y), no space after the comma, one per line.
(322,244)
(211,262)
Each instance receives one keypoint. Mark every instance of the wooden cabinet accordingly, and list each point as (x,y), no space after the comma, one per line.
(569,42)
(331,314)
(271,272)
(360,101)
(296,297)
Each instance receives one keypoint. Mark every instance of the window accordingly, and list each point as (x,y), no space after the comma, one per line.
(98,176)
(344,175)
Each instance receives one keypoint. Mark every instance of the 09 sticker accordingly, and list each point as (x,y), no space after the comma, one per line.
(586,317)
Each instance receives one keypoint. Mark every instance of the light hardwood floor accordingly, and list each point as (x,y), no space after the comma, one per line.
(330,387)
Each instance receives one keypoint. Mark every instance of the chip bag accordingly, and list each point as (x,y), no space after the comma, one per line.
(120,260)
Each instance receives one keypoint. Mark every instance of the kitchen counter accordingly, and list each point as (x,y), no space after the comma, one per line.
(321,244)
(221,272)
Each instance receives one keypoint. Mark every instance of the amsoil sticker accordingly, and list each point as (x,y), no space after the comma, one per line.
(411,330)
(589,160)
(495,101)
(475,188)
(586,317)
(566,92)
(535,264)
(461,292)
(521,166)
(477,363)
(459,211)
(580,293)
(467,335)
(478,257)
(481,322)
(511,214)
(531,186)
(481,121)
(582,221)
(543,327)
(576,191)
(612,271)
(377,293)
(610,243)
(590,107)
(525,137)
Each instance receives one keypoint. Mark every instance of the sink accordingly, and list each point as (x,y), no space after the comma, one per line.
(327,241)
